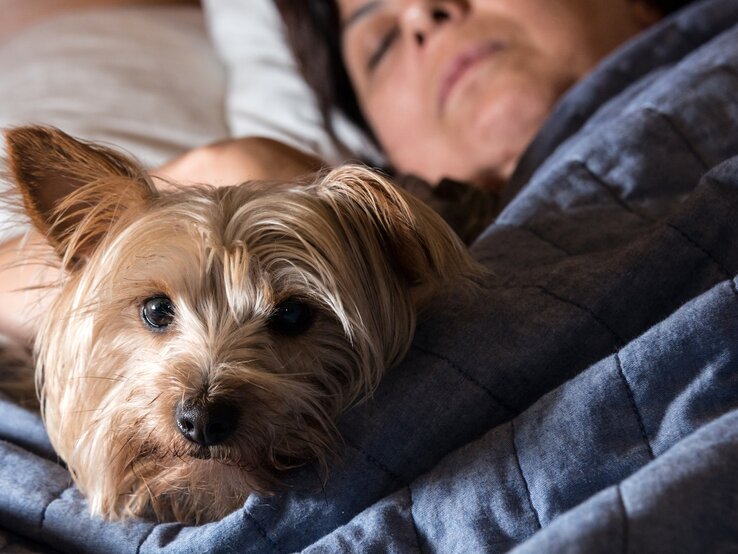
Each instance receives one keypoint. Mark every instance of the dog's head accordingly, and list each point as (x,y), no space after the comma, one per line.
(204,339)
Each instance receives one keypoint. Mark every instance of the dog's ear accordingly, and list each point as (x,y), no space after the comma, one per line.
(419,244)
(73,191)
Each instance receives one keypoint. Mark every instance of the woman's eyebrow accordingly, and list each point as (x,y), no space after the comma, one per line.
(360,12)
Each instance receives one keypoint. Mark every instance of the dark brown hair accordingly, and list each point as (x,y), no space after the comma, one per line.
(314,34)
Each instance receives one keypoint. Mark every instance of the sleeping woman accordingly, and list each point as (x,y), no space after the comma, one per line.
(450,90)
(456,88)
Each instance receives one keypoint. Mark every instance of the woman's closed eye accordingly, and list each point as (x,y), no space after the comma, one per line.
(384,45)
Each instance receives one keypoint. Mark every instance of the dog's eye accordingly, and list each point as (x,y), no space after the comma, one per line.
(157,312)
(291,317)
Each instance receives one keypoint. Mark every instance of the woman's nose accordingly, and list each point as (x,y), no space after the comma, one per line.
(422,18)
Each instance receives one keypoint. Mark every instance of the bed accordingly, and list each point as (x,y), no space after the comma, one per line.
(584,400)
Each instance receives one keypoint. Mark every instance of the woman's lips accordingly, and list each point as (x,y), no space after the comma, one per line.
(467,59)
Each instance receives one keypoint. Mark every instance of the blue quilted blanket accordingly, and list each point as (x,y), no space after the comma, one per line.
(586,400)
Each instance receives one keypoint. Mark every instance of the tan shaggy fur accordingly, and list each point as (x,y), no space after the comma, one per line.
(364,256)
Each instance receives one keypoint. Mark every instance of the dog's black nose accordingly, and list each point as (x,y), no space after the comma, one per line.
(208,423)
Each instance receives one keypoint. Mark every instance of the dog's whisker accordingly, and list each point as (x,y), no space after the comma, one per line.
(117,379)
(155,398)
(90,410)
(123,448)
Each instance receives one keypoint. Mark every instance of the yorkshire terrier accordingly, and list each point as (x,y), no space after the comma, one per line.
(205,340)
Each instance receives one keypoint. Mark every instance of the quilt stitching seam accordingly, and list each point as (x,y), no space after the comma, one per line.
(620,342)
(608,188)
(624,513)
(533,232)
(262,532)
(412,517)
(145,538)
(467,376)
(634,405)
(724,270)
(678,132)
(374,461)
(522,475)
(543,239)
(56,497)
(529,230)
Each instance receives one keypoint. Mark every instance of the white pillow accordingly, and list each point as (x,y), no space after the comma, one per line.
(145,79)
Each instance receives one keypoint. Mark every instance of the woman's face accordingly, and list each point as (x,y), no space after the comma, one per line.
(458,88)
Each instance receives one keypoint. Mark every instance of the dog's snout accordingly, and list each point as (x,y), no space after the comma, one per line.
(208,423)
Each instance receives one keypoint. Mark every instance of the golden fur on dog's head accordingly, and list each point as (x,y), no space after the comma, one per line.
(284,302)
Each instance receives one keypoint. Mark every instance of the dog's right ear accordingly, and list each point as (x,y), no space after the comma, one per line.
(73,191)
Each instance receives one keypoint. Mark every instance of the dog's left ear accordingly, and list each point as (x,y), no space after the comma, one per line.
(73,191)
(417,241)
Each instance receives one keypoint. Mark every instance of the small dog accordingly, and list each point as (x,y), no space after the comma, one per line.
(204,340)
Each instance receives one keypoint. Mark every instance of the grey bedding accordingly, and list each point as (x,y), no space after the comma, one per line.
(585,400)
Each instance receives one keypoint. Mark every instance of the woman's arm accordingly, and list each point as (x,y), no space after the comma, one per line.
(234,161)
(26,277)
